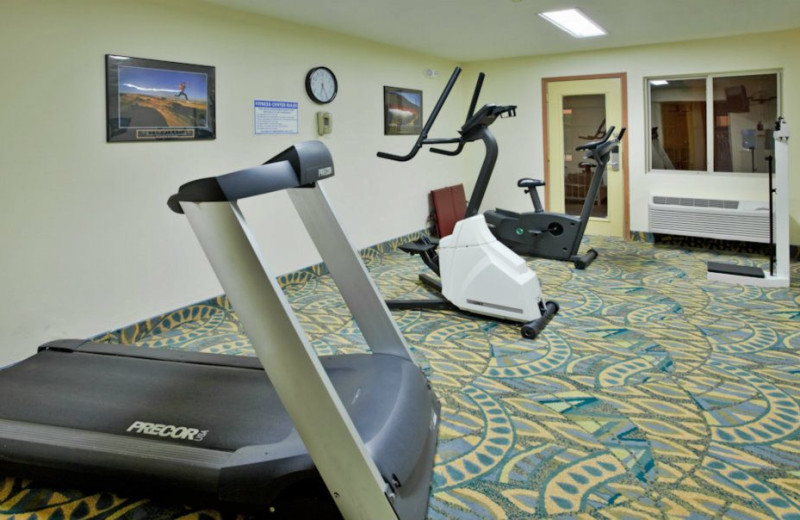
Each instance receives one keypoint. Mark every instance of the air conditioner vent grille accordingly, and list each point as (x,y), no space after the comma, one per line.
(696,203)
(711,218)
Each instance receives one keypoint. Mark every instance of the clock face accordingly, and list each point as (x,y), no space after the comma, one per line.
(321,85)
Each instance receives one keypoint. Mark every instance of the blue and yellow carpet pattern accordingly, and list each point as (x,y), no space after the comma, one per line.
(653,393)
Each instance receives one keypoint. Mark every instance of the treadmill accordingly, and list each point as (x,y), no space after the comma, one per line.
(288,432)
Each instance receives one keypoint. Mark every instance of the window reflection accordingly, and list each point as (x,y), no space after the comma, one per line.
(745,108)
(678,125)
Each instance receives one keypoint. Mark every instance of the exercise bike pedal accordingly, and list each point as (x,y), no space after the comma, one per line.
(431,282)
(420,246)
(532,329)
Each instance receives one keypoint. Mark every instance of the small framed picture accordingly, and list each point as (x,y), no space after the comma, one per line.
(402,111)
(152,100)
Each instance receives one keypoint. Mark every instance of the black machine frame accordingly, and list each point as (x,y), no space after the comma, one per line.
(475,128)
(547,234)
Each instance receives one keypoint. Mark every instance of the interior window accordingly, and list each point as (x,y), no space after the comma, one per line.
(741,108)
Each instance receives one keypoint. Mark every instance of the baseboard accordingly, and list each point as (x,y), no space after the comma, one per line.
(735,246)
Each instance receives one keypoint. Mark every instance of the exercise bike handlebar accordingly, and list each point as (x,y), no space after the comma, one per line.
(614,141)
(423,136)
(602,145)
(592,145)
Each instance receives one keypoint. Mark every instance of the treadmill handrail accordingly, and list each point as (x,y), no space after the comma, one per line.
(287,355)
(300,165)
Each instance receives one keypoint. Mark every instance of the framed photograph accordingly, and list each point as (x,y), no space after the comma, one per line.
(402,111)
(151,100)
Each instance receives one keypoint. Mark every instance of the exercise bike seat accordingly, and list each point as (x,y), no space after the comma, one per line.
(530,188)
(529,183)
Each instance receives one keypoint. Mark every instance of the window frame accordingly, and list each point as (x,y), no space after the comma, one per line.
(709,81)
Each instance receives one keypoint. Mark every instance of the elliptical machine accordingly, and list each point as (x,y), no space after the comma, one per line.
(477,274)
(555,235)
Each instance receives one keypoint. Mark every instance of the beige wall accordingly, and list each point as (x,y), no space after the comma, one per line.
(518,81)
(88,243)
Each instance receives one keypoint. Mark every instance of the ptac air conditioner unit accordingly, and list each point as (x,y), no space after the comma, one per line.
(743,220)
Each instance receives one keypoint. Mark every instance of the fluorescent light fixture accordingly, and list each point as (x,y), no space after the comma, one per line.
(574,22)
(659,82)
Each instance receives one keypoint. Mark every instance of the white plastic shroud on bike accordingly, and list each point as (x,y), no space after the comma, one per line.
(481,275)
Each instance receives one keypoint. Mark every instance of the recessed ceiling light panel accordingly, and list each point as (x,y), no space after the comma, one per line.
(574,22)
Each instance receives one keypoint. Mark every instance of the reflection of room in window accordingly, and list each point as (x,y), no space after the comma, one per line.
(745,108)
(678,121)
(741,108)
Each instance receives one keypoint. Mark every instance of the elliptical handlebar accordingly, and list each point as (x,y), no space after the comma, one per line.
(484,117)
(401,158)
(475,94)
(457,151)
(423,135)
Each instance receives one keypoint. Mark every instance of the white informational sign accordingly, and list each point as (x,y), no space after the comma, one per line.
(275,117)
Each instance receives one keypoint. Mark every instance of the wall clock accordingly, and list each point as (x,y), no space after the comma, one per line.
(321,85)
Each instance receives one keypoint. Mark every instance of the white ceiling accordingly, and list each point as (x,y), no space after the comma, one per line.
(471,30)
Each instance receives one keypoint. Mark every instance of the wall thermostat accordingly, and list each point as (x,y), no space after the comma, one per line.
(324,123)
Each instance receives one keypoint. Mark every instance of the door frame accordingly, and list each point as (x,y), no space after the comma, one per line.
(623,80)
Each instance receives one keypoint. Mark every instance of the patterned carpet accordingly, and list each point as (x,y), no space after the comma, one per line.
(652,394)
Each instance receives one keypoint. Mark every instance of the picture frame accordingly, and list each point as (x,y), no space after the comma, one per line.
(402,111)
(154,100)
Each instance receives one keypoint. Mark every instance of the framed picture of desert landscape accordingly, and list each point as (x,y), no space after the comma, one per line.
(153,100)
(402,111)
